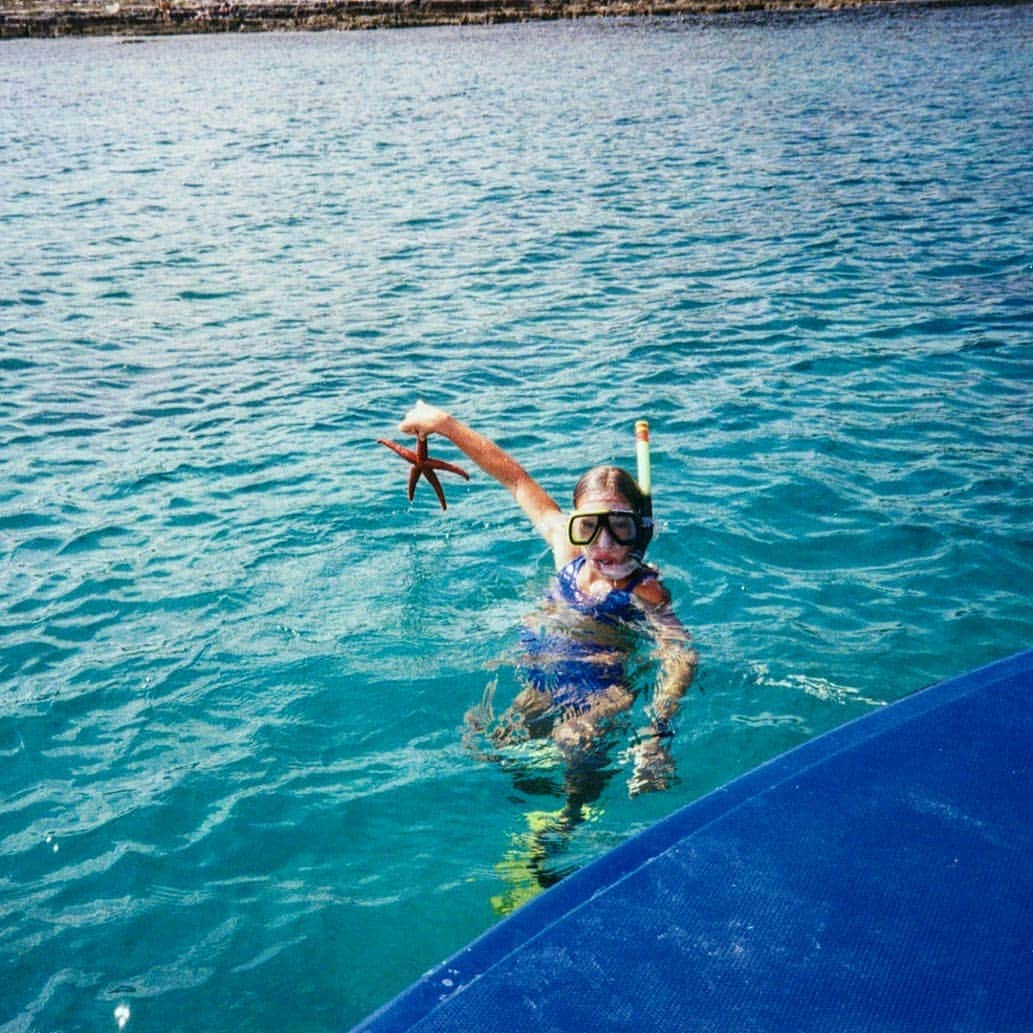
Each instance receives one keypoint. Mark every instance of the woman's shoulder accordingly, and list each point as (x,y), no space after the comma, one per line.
(649,588)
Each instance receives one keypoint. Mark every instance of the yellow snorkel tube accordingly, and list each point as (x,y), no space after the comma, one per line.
(645,484)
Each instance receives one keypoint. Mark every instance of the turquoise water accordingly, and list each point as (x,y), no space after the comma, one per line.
(234,661)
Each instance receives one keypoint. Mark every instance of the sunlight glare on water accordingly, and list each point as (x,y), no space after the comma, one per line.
(235,662)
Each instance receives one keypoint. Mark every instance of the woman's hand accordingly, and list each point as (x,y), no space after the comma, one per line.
(653,767)
(422,420)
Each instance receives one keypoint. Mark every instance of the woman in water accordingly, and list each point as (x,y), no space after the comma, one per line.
(575,684)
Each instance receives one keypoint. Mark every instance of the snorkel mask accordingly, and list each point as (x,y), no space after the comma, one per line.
(623,526)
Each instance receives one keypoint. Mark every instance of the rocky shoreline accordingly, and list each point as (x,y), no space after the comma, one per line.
(37,18)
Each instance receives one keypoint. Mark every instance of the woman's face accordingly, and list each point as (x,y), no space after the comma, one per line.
(609,557)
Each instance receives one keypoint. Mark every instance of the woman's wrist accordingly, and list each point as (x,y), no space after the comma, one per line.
(659,728)
(445,424)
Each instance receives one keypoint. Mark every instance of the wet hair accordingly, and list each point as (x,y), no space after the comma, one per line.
(611,480)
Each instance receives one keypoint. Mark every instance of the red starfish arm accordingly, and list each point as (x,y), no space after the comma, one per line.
(435,484)
(405,453)
(423,464)
(440,464)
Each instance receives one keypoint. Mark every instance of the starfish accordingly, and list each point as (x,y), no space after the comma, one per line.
(424,464)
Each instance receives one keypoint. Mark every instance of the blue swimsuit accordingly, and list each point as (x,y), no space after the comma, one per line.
(572,660)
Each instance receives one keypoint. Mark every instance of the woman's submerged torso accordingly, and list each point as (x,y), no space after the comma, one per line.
(576,644)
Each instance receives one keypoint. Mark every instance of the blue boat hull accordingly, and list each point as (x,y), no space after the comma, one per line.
(878,877)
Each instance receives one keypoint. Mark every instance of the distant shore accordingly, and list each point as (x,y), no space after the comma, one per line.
(21,19)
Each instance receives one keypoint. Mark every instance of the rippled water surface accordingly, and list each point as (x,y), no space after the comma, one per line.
(234,661)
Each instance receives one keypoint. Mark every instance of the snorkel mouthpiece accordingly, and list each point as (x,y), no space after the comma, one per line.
(645,484)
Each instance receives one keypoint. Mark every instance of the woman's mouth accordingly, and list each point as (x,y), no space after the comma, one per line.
(614,567)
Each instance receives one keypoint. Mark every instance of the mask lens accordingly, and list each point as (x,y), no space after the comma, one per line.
(623,527)
(583,529)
